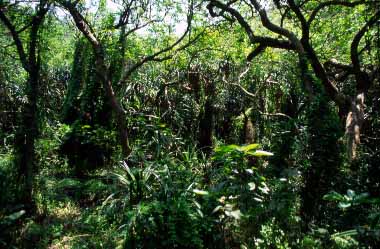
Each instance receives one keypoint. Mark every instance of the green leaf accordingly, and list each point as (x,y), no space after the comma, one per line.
(248,111)
(264,188)
(350,193)
(258,199)
(129,171)
(236,214)
(252,186)
(260,153)
(333,196)
(249,147)
(122,179)
(217,209)
(322,231)
(197,204)
(344,205)
(200,212)
(200,192)
(249,171)
(352,232)
(16,215)
(227,148)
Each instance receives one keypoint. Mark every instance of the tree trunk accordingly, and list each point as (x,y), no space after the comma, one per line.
(249,130)
(29,128)
(118,110)
(25,140)
(354,122)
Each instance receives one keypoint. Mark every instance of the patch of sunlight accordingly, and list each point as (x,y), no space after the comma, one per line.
(66,242)
(67,211)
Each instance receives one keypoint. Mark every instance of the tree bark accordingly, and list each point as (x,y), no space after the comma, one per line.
(25,141)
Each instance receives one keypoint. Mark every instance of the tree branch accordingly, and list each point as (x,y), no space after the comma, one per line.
(275,28)
(362,78)
(16,39)
(243,23)
(82,24)
(301,18)
(154,56)
(263,42)
(359,35)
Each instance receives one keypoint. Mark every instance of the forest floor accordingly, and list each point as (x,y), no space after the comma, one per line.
(70,214)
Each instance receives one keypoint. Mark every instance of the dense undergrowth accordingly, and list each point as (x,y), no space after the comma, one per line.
(170,195)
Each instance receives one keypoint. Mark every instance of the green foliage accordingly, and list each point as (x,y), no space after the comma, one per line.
(349,199)
(324,133)
(170,192)
(172,224)
(7,224)
(239,190)
(79,73)
(153,208)
(367,234)
(87,148)
(11,213)
(7,174)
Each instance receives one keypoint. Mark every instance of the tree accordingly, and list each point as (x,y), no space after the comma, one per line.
(294,32)
(29,55)
(351,107)
(128,15)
